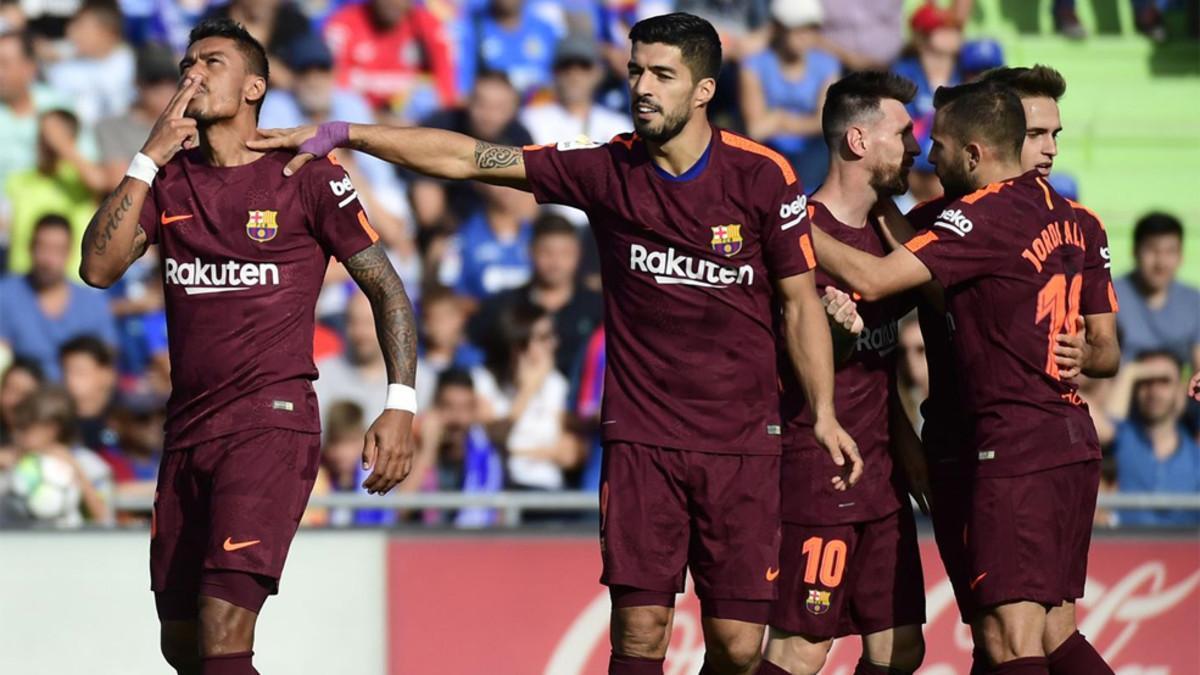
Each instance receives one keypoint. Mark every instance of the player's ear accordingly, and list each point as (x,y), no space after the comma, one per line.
(856,141)
(254,89)
(974,153)
(705,90)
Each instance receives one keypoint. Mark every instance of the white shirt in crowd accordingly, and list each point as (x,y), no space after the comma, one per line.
(540,426)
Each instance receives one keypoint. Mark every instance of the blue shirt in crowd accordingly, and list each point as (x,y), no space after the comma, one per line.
(1138,470)
(800,96)
(525,53)
(921,107)
(480,264)
(33,335)
(1174,327)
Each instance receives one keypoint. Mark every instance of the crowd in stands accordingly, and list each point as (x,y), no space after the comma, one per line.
(508,295)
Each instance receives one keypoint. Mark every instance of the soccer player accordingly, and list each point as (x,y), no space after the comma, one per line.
(850,562)
(1011,255)
(244,253)
(700,231)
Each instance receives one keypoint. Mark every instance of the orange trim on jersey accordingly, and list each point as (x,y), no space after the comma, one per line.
(1080,207)
(1112,298)
(1046,191)
(812,211)
(362,220)
(332,159)
(921,241)
(531,148)
(984,191)
(732,139)
(807,249)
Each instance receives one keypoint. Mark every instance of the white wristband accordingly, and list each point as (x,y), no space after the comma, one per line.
(142,168)
(401,397)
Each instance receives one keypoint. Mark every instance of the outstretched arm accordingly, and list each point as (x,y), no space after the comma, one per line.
(433,152)
(871,276)
(388,446)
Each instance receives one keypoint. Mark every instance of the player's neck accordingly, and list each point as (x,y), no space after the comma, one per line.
(1163,437)
(997,172)
(679,154)
(224,143)
(848,195)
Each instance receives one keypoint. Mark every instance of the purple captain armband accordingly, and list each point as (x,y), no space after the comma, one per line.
(330,135)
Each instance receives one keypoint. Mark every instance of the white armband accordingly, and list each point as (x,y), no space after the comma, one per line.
(142,168)
(401,397)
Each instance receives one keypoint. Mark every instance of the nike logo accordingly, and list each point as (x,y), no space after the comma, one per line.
(231,546)
(772,574)
(977,580)
(167,220)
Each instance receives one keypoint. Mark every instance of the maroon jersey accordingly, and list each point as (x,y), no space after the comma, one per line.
(689,266)
(244,252)
(862,386)
(1098,296)
(1011,258)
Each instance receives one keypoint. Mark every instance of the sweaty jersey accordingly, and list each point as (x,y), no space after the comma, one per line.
(862,386)
(1011,257)
(244,252)
(689,265)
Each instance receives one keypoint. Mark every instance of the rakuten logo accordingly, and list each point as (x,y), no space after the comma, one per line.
(882,339)
(955,221)
(798,207)
(669,267)
(200,278)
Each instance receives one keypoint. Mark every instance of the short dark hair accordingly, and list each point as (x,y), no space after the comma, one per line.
(30,366)
(550,224)
(453,377)
(857,97)
(251,49)
(1156,224)
(695,37)
(513,332)
(69,117)
(51,221)
(345,421)
(983,111)
(107,12)
(1160,354)
(1038,80)
(47,405)
(89,345)
(25,38)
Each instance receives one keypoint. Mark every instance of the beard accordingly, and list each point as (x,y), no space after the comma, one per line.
(672,123)
(956,180)
(889,181)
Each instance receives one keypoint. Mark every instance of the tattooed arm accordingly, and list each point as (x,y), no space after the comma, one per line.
(114,239)
(388,447)
(433,152)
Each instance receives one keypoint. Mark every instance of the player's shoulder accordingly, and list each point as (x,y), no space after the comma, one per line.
(752,156)
(923,215)
(1084,215)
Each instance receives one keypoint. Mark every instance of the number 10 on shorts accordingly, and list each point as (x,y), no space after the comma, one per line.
(824,561)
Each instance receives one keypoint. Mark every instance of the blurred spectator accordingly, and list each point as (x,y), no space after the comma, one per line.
(137,424)
(1064,184)
(444,344)
(864,34)
(1153,450)
(341,468)
(931,61)
(555,251)
(360,374)
(526,399)
(64,182)
(43,309)
(613,19)
(587,394)
(1157,311)
(978,56)
(98,73)
(90,377)
(455,452)
(163,21)
(387,49)
(44,423)
(913,377)
(513,40)
(120,137)
(276,24)
(782,89)
(490,115)
(1148,19)
(490,253)
(20,379)
(740,23)
(22,100)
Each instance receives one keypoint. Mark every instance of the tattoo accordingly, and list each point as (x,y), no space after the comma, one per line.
(111,223)
(492,156)
(394,323)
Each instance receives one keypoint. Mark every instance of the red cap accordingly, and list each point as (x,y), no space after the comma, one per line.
(929,17)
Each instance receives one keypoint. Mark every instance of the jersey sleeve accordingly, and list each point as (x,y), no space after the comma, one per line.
(149,216)
(1098,296)
(787,228)
(960,246)
(334,210)
(572,173)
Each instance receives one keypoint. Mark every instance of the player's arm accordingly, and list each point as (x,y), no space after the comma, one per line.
(871,276)
(845,324)
(808,343)
(1092,350)
(388,448)
(432,152)
(114,239)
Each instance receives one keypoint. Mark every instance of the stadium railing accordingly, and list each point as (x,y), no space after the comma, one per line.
(513,505)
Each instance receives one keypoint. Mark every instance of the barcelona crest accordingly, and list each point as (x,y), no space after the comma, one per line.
(727,239)
(262,226)
(818,601)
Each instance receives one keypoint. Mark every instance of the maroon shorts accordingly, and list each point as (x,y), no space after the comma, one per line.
(1028,536)
(665,511)
(950,485)
(852,579)
(234,504)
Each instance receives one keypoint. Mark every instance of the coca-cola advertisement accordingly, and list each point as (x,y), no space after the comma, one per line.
(534,606)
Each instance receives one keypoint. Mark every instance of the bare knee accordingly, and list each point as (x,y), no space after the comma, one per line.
(180,647)
(901,648)
(643,632)
(225,628)
(797,654)
(1060,625)
(1013,631)
(732,646)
